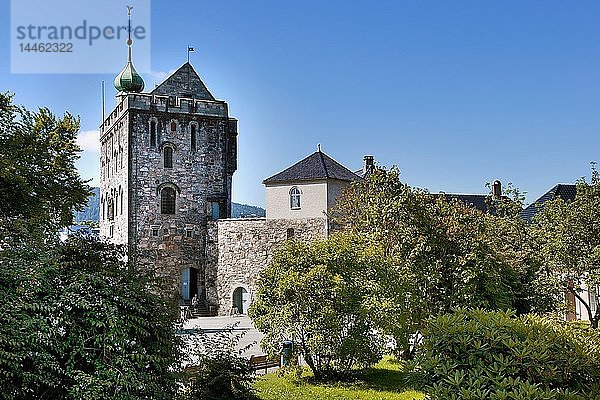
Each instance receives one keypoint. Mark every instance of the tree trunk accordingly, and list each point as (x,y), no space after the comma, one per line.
(593,319)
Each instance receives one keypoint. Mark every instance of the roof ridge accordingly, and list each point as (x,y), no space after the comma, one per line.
(317,165)
(323,163)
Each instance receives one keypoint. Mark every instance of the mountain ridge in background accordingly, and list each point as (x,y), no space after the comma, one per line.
(91,212)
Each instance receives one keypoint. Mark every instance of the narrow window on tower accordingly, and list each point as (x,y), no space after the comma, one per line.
(193,137)
(168,157)
(167,201)
(111,209)
(173,126)
(152,133)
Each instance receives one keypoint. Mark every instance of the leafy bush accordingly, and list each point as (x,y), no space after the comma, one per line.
(474,354)
(320,296)
(216,370)
(222,377)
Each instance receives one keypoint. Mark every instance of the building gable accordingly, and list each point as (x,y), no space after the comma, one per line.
(185,82)
(317,166)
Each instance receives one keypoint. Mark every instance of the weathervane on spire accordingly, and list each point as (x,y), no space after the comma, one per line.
(129,41)
(129,80)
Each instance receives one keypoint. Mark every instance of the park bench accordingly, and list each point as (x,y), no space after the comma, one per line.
(263,361)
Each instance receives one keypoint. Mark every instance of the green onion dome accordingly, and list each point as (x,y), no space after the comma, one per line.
(129,80)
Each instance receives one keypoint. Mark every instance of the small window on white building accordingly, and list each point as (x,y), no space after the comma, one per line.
(295,194)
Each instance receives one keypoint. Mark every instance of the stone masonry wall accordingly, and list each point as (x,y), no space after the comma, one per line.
(200,177)
(239,249)
(114,183)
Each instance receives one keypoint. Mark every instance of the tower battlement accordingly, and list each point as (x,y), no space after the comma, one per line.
(165,104)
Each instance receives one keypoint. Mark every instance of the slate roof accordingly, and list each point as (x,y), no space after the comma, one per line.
(472,200)
(362,173)
(185,82)
(317,166)
(566,192)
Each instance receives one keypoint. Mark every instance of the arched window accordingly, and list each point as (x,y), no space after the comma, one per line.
(152,133)
(168,157)
(173,126)
(295,198)
(167,200)
(193,137)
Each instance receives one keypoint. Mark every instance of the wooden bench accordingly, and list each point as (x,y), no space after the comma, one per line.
(260,362)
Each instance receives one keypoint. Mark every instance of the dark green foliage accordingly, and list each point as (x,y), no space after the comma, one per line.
(568,234)
(222,376)
(77,322)
(473,354)
(442,253)
(216,370)
(39,185)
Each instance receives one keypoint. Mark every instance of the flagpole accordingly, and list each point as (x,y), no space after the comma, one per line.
(188,53)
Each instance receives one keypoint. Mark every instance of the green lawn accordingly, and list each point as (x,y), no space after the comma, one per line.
(383,382)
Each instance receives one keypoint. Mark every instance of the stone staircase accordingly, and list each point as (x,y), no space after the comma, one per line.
(201,310)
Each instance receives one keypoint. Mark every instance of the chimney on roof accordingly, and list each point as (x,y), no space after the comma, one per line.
(496,190)
(368,164)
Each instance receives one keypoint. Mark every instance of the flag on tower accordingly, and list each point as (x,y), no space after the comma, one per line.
(190,50)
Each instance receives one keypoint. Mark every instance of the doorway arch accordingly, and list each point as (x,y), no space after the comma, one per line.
(189,284)
(240,300)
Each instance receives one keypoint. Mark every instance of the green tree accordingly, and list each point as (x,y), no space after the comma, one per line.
(39,185)
(319,295)
(569,238)
(445,254)
(77,320)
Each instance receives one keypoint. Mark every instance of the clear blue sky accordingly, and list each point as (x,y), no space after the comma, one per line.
(456,93)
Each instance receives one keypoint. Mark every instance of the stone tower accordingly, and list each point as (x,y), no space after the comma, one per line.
(167,160)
